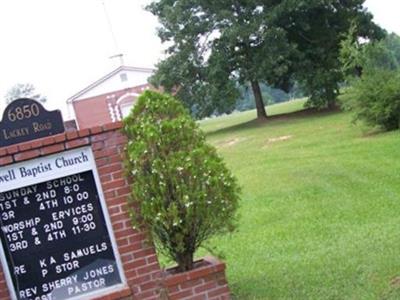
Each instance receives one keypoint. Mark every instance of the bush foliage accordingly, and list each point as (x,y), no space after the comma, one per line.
(374,96)
(181,188)
(375,99)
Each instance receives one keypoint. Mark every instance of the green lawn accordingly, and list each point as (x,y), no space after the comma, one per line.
(320,209)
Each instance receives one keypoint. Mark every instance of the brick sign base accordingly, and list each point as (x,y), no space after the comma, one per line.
(207,281)
(145,279)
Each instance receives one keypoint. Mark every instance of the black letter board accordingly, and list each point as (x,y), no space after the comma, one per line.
(56,240)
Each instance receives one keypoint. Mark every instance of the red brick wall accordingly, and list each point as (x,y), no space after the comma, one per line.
(91,112)
(94,111)
(138,258)
(140,264)
(203,283)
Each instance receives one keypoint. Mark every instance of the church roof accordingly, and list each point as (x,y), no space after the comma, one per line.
(106,77)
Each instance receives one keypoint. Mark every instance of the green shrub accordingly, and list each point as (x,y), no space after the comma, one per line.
(181,188)
(374,95)
(375,99)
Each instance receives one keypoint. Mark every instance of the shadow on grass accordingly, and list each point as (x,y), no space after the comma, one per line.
(256,123)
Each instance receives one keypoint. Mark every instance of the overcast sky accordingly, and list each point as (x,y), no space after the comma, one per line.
(61,46)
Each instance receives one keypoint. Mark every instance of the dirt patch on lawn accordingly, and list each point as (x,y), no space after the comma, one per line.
(230,142)
(392,291)
(395,282)
(277,139)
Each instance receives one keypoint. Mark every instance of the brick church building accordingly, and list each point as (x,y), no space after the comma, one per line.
(110,98)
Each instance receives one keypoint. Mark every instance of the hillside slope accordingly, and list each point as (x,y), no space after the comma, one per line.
(320,208)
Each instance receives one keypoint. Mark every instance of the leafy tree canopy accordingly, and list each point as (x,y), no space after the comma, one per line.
(214,44)
(23,90)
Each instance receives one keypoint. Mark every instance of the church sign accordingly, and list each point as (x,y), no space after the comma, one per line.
(25,120)
(56,238)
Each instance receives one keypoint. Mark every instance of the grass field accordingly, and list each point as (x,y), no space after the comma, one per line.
(320,208)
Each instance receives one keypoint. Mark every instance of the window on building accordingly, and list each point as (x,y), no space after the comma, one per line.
(123,76)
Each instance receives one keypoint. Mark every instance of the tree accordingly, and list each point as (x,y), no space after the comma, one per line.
(215,44)
(320,27)
(181,187)
(23,90)
(178,76)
